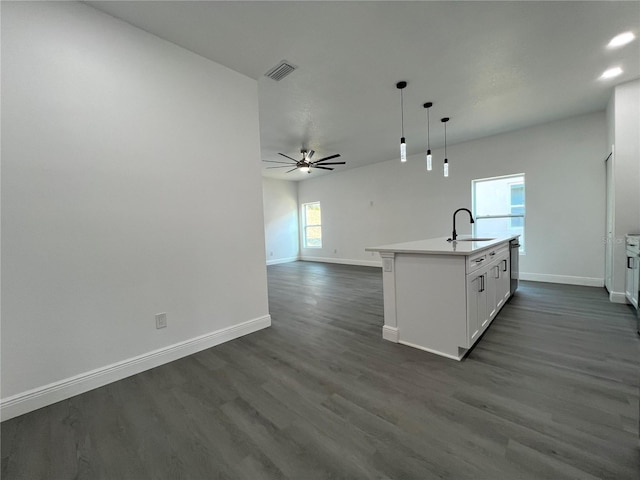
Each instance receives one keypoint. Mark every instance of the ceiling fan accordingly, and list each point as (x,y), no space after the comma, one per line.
(305,164)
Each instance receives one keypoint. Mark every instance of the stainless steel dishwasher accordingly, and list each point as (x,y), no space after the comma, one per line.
(514,249)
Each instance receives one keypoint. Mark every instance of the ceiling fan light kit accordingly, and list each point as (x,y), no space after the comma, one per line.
(305,165)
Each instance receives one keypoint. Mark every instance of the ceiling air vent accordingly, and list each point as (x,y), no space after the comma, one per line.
(280,71)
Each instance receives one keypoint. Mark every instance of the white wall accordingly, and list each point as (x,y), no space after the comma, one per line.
(624,125)
(392,202)
(130,186)
(281,225)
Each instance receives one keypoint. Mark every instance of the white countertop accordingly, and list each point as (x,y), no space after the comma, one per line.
(440,246)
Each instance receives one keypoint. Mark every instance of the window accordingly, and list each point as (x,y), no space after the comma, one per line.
(499,206)
(312,227)
(517,204)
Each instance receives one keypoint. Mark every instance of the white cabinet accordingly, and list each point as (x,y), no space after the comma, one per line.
(631,286)
(493,275)
(501,277)
(631,283)
(440,296)
(493,278)
(488,288)
(477,305)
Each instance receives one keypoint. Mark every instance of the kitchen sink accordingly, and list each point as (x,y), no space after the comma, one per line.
(478,239)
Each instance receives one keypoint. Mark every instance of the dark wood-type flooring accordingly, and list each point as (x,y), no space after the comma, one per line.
(550,391)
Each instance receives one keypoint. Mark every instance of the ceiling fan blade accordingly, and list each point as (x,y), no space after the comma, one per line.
(287,156)
(310,154)
(295,168)
(323,168)
(327,158)
(281,166)
(273,161)
(330,163)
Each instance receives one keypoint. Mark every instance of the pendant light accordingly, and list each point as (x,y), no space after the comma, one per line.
(428,105)
(403,143)
(446,161)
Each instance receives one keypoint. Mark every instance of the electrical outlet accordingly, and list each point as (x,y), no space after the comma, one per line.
(335,250)
(161,320)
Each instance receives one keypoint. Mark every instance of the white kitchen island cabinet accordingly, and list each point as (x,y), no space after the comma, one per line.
(440,296)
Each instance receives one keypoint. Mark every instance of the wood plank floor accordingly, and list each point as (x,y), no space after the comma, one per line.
(550,392)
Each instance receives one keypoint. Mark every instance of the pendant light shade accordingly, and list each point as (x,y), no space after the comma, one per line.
(446,161)
(403,143)
(428,105)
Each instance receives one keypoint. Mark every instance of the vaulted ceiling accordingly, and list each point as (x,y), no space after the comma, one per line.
(489,66)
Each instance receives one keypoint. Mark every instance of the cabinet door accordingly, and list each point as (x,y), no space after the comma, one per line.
(493,296)
(504,282)
(629,280)
(476,305)
(635,281)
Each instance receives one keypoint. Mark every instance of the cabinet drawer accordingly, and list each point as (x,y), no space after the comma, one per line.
(475,262)
(495,253)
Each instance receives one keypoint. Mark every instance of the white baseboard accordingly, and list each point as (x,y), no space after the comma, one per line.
(343,261)
(282,260)
(54,392)
(566,279)
(390,333)
(617,297)
(430,350)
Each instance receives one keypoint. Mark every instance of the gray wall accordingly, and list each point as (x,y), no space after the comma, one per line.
(392,202)
(281,225)
(131,185)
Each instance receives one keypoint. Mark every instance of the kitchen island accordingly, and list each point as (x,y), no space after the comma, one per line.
(440,295)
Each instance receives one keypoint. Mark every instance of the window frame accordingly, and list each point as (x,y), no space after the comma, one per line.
(305,226)
(510,216)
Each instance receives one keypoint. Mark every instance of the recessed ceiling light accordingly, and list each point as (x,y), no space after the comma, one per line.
(612,72)
(622,39)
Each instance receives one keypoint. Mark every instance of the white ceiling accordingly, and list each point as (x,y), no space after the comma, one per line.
(490,66)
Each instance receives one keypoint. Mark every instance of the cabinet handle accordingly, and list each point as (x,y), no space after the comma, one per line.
(505,266)
(492,254)
(497,271)
(629,258)
(480,260)
(482,283)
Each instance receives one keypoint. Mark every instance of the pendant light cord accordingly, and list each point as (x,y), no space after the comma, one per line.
(402,111)
(445,139)
(428,132)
